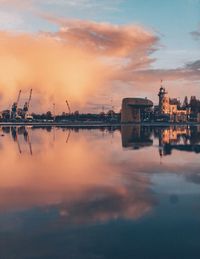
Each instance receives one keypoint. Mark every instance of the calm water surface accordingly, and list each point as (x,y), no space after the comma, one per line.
(130,192)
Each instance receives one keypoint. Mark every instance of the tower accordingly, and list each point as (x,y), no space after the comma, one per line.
(163,100)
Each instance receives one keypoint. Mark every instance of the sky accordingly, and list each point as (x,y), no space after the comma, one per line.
(96,52)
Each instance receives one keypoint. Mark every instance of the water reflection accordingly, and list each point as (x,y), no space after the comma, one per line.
(81,180)
(80,188)
(136,136)
(181,138)
(85,175)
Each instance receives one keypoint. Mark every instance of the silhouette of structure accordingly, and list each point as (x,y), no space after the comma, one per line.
(131,109)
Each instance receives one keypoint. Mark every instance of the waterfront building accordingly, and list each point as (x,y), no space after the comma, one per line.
(172,107)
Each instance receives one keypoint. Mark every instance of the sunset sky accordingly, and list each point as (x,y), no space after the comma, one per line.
(96,52)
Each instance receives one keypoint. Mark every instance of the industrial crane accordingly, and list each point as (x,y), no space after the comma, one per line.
(15,106)
(26,106)
(68,107)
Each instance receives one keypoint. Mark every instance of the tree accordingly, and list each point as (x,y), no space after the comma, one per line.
(49,115)
(185,102)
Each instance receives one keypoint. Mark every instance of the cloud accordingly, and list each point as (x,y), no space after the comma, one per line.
(104,38)
(194,65)
(18,4)
(84,61)
(196,34)
(53,69)
(10,21)
(75,62)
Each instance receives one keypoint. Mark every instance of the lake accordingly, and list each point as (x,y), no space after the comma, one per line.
(100,193)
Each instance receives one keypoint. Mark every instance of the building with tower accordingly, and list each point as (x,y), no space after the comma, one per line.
(172,107)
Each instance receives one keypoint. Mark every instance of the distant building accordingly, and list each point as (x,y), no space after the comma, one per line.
(172,107)
(198,117)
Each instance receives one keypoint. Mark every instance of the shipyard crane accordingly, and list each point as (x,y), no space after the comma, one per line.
(27,104)
(15,106)
(68,107)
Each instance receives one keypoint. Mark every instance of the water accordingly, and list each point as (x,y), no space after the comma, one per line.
(130,192)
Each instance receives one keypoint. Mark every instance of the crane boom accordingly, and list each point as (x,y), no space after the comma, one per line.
(29,99)
(68,107)
(27,104)
(18,98)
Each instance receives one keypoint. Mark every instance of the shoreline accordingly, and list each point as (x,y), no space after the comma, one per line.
(93,124)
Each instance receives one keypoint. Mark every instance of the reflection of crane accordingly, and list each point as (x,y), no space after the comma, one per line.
(68,107)
(19,131)
(68,135)
(27,104)
(19,148)
(29,142)
(15,138)
(15,106)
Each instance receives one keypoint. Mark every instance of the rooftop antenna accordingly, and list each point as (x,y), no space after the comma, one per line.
(54,115)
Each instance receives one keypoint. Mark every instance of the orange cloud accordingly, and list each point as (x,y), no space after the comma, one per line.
(51,68)
(104,38)
(74,63)
(84,62)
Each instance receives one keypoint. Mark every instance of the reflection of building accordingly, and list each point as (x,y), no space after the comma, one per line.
(172,107)
(179,138)
(172,135)
(136,136)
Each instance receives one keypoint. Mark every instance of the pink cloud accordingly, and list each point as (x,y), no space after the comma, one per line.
(84,60)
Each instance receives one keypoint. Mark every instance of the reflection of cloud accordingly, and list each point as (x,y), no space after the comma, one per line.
(82,180)
(86,185)
(194,178)
(108,204)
